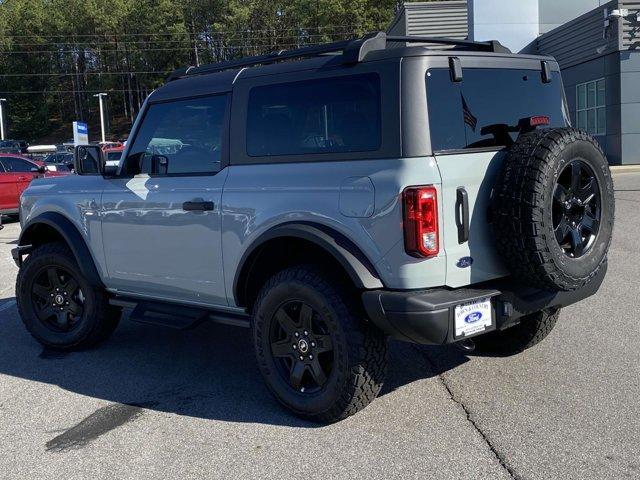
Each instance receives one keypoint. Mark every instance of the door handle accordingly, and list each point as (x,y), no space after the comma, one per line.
(462,214)
(22,179)
(197,205)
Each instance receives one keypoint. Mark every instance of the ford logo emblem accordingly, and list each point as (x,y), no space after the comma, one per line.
(464,262)
(473,317)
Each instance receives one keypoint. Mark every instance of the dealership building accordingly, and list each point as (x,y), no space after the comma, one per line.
(596,43)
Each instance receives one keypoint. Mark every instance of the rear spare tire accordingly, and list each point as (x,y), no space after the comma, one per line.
(553,209)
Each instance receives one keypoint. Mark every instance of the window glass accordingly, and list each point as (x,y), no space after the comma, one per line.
(179,137)
(582,96)
(112,156)
(591,114)
(17,165)
(332,115)
(483,111)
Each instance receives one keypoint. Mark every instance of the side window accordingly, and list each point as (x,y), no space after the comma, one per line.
(17,165)
(180,137)
(2,170)
(332,115)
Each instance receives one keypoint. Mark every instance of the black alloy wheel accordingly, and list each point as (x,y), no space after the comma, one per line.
(301,346)
(57,298)
(576,209)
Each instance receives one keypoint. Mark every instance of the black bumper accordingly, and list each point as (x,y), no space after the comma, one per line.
(427,316)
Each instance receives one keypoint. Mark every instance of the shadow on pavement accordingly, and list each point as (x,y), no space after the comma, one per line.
(208,372)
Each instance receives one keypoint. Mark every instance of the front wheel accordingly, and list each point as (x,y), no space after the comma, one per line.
(57,304)
(318,356)
(531,330)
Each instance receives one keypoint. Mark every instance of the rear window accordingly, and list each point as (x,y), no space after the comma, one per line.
(480,111)
(331,115)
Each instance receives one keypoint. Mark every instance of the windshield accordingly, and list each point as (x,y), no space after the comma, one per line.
(483,111)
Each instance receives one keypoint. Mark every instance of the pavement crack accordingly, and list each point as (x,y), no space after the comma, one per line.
(494,450)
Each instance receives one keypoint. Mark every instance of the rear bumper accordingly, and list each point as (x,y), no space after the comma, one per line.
(427,316)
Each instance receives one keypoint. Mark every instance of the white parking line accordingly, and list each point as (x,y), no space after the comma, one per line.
(7,306)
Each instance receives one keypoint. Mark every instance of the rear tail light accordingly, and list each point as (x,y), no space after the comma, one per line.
(421,221)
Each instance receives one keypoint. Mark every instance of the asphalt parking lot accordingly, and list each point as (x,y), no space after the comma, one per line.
(156,403)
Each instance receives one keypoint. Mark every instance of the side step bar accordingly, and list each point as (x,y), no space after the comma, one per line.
(178,316)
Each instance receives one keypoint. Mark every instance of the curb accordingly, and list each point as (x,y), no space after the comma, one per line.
(618,169)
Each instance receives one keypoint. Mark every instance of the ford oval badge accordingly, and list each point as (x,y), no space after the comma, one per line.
(464,262)
(473,317)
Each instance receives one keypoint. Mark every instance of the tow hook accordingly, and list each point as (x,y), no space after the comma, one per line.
(466,345)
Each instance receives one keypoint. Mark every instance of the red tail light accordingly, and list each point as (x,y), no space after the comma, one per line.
(421,221)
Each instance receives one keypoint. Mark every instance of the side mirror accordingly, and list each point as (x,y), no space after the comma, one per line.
(88,160)
(41,169)
(160,164)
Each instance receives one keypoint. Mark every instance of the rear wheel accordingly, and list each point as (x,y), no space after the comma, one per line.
(57,304)
(531,330)
(316,353)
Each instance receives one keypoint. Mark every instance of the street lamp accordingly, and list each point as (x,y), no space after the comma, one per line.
(100,97)
(2,100)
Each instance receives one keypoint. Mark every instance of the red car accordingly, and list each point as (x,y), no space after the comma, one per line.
(16,173)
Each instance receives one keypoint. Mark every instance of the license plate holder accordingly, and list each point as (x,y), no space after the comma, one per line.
(473,318)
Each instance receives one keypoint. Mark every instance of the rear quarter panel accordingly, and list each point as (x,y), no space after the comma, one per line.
(359,199)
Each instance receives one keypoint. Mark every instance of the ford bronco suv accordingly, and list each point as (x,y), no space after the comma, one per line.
(328,198)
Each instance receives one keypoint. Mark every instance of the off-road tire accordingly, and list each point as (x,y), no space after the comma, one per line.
(522,209)
(98,320)
(531,330)
(360,349)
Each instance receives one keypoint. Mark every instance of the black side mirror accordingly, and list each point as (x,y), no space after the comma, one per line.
(88,160)
(160,164)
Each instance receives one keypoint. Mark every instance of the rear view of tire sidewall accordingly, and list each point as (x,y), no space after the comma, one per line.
(301,403)
(29,272)
(578,270)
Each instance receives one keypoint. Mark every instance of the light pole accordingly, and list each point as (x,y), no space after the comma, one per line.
(100,97)
(2,100)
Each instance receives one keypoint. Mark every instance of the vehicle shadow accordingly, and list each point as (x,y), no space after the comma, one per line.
(209,372)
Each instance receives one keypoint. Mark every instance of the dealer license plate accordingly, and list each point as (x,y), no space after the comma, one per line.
(473,317)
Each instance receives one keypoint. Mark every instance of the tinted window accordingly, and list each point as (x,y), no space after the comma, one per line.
(484,109)
(111,156)
(180,137)
(316,116)
(17,165)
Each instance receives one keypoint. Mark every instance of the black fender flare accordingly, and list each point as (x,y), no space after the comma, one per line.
(359,268)
(74,240)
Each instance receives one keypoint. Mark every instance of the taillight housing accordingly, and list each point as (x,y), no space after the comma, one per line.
(421,238)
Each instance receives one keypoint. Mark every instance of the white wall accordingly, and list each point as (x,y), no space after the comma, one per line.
(515,23)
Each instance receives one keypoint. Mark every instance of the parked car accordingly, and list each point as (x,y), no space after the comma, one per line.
(64,159)
(13,146)
(113,155)
(16,173)
(436,196)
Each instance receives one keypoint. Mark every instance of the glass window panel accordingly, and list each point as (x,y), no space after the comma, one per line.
(601,93)
(340,114)
(582,97)
(182,137)
(591,121)
(581,121)
(591,95)
(602,120)
(483,111)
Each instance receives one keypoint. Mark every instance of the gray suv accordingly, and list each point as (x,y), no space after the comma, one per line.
(328,198)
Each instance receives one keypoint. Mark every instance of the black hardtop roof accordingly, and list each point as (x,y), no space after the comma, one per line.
(220,77)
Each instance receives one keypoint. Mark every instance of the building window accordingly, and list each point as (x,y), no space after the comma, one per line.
(591,110)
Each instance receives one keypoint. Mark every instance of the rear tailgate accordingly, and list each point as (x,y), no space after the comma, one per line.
(472,175)
(471,122)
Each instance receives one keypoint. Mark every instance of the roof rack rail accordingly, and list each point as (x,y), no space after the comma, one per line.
(353,51)
(491,46)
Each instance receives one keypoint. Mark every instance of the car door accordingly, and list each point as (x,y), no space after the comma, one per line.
(21,174)
(161,219)
(8,190)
